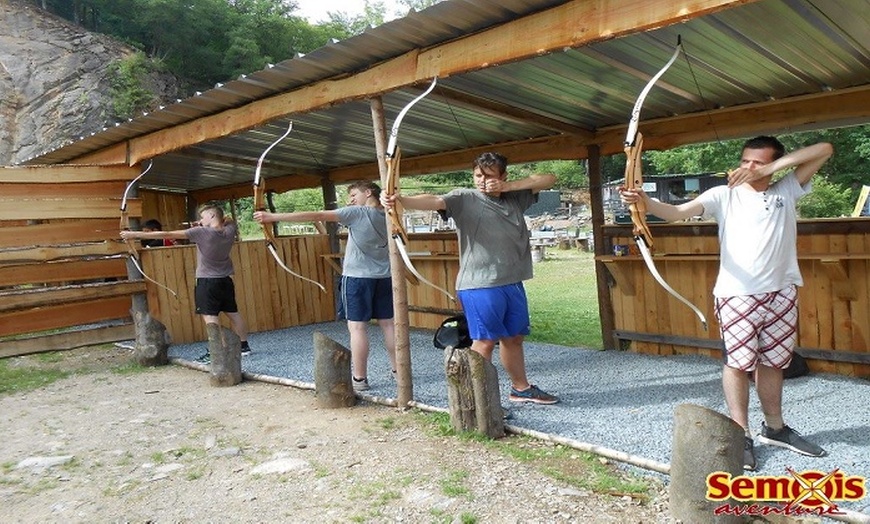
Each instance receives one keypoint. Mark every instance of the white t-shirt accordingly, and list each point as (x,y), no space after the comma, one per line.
(757,236)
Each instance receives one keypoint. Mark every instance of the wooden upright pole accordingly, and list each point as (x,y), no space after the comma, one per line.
(405,387)
(605,302)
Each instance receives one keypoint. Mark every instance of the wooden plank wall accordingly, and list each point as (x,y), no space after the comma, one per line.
(167,207)
(834,303)
(61,263)
(438,261)
(436,257)
(268,297)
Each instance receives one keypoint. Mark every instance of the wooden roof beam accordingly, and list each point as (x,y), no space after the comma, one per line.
(844,107)
(574,24)
(508,112)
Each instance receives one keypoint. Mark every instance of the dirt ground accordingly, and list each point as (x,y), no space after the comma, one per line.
(161,445)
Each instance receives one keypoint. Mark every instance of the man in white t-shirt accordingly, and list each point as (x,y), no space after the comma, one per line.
(756,289)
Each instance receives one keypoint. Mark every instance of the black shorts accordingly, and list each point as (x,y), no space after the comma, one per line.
(215,295)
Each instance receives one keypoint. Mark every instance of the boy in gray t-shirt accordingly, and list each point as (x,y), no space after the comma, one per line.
(215,291)
(494,260)
(366,286)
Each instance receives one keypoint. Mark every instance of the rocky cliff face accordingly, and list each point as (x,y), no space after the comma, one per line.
(54,81)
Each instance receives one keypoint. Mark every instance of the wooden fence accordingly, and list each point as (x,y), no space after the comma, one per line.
(268,297)
(834,303)
(60,265)
(64,272)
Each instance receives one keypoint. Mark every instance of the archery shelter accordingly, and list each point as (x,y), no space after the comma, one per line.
(534,80)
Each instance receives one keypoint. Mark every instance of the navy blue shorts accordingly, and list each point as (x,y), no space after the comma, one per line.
(496,312)
(366,298)
(215,295)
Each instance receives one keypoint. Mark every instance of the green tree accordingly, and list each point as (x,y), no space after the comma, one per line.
(826,200)
(128,78)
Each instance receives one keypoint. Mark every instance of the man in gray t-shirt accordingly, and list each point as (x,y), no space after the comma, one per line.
(494,260)
(215,291)
(366,286)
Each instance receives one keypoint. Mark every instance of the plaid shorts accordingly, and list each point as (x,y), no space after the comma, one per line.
(759,328)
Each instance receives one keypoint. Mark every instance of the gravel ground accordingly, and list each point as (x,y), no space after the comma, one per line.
(619,400)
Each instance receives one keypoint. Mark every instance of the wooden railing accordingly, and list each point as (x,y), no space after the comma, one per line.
(834,302)
(269,298)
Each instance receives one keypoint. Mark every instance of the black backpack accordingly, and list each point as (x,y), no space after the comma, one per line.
(797,368)
(452,333)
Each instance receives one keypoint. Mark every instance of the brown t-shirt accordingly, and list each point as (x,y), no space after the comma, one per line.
(213,250)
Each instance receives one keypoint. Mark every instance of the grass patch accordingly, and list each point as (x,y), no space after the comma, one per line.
(18,379)
(453,485)
(29,372)
(563,300)
(568,465)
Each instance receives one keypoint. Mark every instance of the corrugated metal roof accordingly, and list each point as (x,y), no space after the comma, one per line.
(766,50)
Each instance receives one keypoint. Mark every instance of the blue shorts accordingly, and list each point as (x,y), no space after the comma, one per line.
(366,298)
(496,312)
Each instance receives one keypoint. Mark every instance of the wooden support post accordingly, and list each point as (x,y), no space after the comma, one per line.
(225,349)
(704,442)
(473,396)
(404,384)
(152,340)
(605,301)
(332,378)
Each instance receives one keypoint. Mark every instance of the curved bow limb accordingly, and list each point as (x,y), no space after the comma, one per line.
(393,157)
(634,180)
(125,226)
(260,205)
(398,232)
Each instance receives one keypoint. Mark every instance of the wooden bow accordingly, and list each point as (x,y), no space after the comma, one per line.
(393,156)
(260,205)
(125,226)
(634,180)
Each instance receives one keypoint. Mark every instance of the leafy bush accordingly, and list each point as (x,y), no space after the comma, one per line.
(826,200)
(129,80)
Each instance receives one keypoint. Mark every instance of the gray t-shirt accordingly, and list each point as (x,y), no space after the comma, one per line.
(366,254)
(493,238)
(213,250)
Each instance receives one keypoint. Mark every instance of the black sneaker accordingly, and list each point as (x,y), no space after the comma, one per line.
(533,394)
(204,358)
(748,455)
(246,349)
(790,439)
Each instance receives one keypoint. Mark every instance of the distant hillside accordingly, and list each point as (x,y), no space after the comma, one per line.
(54,80)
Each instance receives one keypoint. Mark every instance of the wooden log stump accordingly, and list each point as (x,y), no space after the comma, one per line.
(225,349)
(704,442)
(473,396)
(332,378)
(487,398)
(152,340)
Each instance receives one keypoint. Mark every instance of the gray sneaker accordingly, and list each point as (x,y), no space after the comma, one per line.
(533,394)
(749,463)
(789,439)
(360,385)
